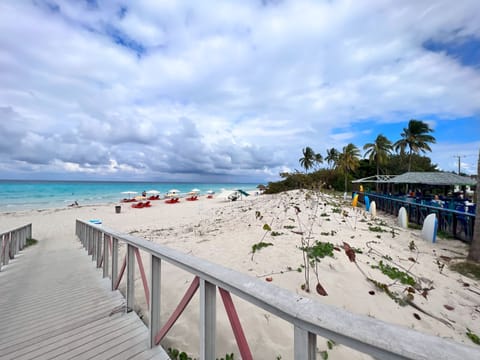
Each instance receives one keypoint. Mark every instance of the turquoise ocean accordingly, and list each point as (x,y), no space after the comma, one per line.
(38,195)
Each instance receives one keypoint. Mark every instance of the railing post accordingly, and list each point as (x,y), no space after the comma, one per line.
(114,262)
(6,251)
(155,291)
(305,344)
(207,320)
(89,240)
(11,251)
(105,255)
(94,244)
(1,251)
(99,240)
(130,277)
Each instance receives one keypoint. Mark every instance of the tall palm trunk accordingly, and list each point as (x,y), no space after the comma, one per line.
(409,160)
(474,252)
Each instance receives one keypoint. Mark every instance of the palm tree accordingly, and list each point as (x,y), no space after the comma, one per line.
(318,159)
(308,159)
(348,160)
(378,151)
(474,252)
(332,157)
(415,137)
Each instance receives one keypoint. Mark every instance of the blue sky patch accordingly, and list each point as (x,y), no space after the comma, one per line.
(465,50)
(124,40)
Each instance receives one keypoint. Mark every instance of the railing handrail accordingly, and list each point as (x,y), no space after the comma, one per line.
(16,229)
(437,208)
(368,335)
(12,241)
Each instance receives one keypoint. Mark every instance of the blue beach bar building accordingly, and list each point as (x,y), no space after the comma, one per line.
(448,195)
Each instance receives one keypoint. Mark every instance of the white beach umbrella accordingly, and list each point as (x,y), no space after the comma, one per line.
(195,190)
(173,193)
(153,192)
(129,193)
(210,192)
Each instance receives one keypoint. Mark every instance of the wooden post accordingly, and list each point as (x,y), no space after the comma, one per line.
(304,344)
(89,240)
(1,251)
(207,319)
(155,291)
(11,249)
(114,262)
(6,251)
(105,255)
(99,239)
(130,277)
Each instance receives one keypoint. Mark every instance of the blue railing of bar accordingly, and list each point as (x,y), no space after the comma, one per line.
(453,223)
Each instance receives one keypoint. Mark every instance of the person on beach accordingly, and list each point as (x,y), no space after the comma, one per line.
(144,193)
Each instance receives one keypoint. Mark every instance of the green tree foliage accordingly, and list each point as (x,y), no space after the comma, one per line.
(378,151)
(308,159)
(318,160)
(397,165)
(332,157)
(415,138)
(348,161)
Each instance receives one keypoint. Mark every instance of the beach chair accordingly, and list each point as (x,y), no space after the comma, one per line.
(139,205)
(172,201)
(147,204)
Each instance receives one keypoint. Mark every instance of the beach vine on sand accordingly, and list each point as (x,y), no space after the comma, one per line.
(312,254)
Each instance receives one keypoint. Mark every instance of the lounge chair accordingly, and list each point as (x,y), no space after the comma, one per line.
(139,205)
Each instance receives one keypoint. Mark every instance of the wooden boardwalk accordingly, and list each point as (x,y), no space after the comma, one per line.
(54,304)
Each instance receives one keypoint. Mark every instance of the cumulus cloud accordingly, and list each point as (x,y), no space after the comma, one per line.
(175,89)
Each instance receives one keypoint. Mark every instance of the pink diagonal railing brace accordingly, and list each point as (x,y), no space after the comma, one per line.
(144,277)
(179,310)
(120,275)
(236,325)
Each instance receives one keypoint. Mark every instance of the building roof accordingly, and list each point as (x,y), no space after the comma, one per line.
(375,179)
(427,178)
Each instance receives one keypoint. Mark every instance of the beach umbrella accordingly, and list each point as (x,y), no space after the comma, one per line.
(129,193)
(195,190)
(173,191)
(153,192)
(210,192)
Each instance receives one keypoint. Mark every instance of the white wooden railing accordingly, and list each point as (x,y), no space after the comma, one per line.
(308,317)
(12,241)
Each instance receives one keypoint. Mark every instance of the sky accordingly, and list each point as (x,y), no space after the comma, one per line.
(229,91)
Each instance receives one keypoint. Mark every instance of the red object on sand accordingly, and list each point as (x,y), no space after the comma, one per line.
(172,201)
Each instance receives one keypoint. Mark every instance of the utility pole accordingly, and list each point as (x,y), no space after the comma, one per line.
(458,157)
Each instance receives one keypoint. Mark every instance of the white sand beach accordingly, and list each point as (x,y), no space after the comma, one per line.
(224,232)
